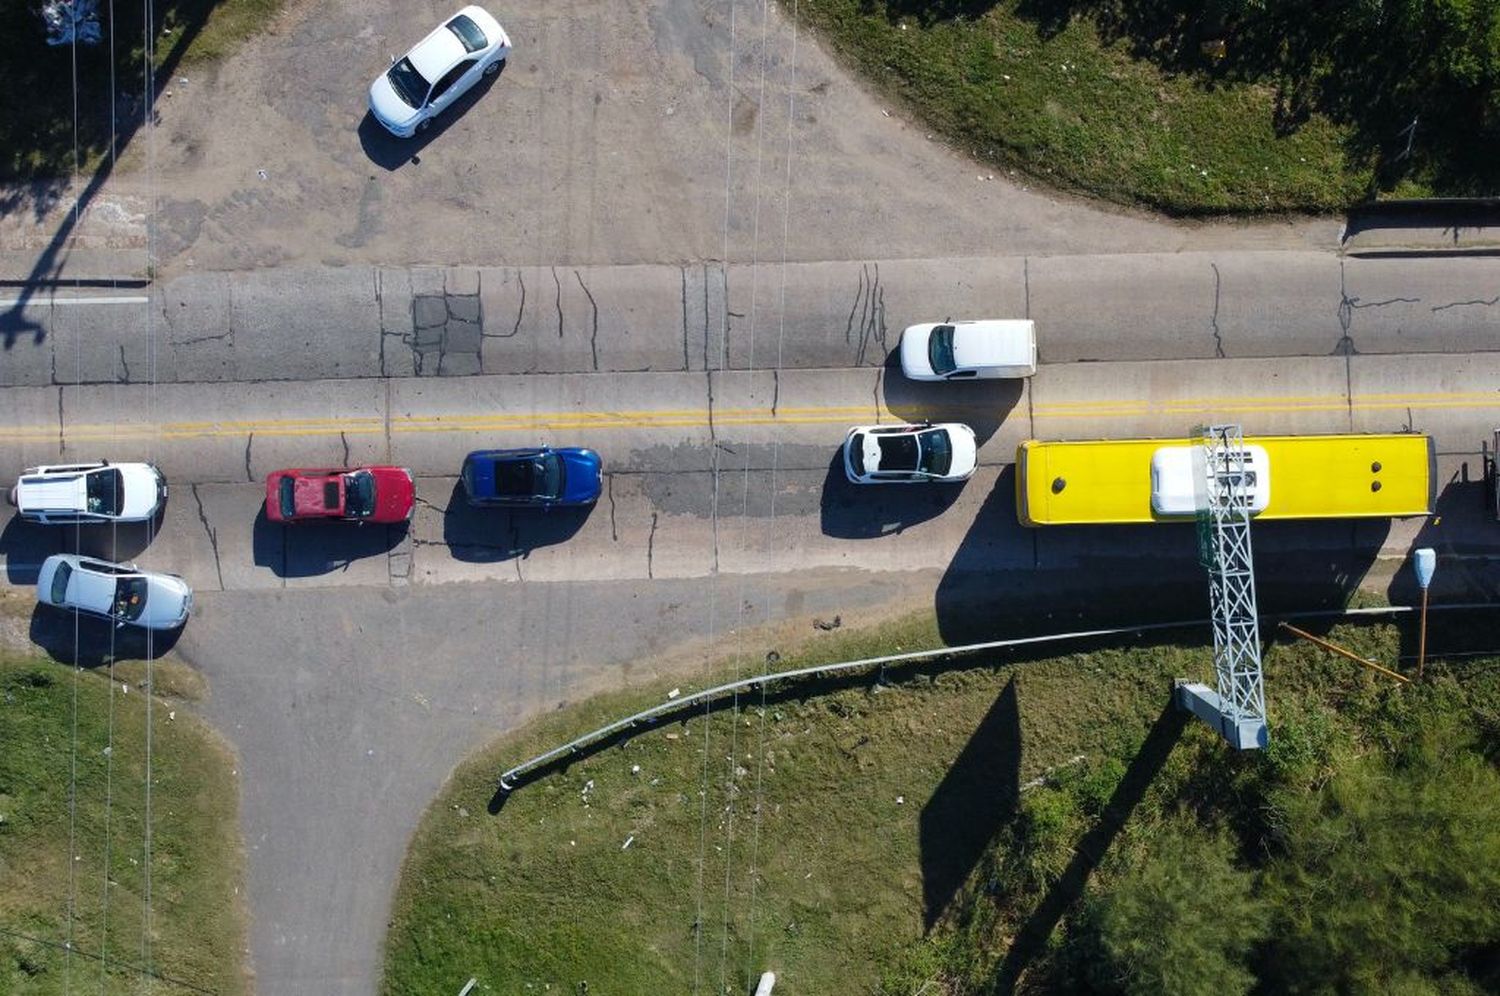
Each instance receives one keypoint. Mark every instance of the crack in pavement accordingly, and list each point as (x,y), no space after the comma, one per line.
(124,366)
(682,276)
(344,438)
(558,302)
(775,389)
(213,536)
(1026,279)
(651,549)
(1345,345)
(249,476)
(609,480)
(61,423)
(1462,304)
(594,334)
(1213,322)
(872,314)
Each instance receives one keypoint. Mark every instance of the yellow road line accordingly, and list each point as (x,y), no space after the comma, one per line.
(698,418)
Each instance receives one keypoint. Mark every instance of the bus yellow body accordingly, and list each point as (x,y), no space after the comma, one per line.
(1311,477)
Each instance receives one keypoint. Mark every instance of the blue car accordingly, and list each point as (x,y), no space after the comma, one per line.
(540,477)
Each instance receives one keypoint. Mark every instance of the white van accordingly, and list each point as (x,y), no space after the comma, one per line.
(987,348)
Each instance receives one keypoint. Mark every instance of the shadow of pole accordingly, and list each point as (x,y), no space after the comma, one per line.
(980,791)
(12,321)
(1031,940)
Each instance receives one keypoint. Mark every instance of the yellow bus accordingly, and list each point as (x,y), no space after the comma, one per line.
(1289,477)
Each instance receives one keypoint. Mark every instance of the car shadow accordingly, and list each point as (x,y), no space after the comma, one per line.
(486,535)
(25,545)
(70,637)
(308,549)
(980,404)
(391,153)
(869,511)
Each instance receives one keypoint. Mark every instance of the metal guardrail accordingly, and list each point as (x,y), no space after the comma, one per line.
(508,780)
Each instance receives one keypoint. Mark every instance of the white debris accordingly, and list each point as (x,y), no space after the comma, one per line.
(628,841)
(900,800)
(674,693)
(635,769)
(262,174)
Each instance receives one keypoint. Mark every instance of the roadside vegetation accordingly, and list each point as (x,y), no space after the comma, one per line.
(73,810)
(37,104)
(1228,106)
(993,825)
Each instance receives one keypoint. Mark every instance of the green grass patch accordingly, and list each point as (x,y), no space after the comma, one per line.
(879,839)
(72,864)
(47,86)
(1125,113)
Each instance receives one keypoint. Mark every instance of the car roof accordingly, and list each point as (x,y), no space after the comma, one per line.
(439,52)
(993,343)
(90,590)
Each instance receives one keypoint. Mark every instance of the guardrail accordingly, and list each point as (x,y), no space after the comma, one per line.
(508,781)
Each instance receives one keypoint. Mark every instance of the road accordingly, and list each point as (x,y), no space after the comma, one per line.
(366,639)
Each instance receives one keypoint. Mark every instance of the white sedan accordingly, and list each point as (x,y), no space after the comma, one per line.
(438,70)
(910,454)
(966,350)
(122,593)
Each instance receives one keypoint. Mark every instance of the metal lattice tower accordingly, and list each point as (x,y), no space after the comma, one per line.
(1237,709)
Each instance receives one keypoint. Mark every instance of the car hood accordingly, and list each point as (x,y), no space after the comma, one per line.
(965,449)
(914,348)
(580,475)
(139,481)
(387,105)
(168,601)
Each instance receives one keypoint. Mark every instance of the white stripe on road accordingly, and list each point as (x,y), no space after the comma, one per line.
(11,302)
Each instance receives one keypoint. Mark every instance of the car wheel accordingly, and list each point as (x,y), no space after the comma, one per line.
(424,125)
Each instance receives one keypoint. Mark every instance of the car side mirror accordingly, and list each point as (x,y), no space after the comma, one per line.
(119,624)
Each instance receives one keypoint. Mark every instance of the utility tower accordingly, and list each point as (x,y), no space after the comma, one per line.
(1237,707)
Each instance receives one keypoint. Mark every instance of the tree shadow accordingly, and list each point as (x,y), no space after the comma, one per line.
(482,535)
(980,404)
(977,795)
(869,511)
(187,18)
(391,153)
(70,637)
(1148,762)
(309,549)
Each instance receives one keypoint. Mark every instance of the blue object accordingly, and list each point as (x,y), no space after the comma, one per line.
(538,477)
(1426,564)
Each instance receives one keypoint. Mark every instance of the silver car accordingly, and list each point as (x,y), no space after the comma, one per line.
(122,593)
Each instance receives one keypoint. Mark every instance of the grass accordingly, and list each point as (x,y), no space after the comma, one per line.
(37,107)
(78,876)
(836,825)
(1067,106)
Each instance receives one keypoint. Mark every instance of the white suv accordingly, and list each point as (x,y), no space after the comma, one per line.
(89,492)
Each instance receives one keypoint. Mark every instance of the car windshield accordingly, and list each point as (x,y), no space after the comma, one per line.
(468,32)
(937,452)
(857,454)
(359,493)
(410,85)
(106,491)
(940,350)
(130,598)
(898,453)
(60,580)
(286,495)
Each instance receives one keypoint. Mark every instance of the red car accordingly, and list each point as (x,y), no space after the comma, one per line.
(360,494)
